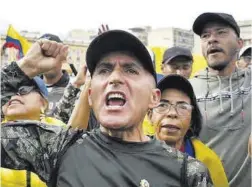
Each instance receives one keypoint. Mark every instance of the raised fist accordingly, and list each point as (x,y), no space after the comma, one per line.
(43,56)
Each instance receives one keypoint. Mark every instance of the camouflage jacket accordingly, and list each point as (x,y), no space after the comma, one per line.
(65,106)
(66,157)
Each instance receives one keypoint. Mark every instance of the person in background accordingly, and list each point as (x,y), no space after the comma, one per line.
(177,60)
(223,93)
(27,103)
(56,80)
(245,57)
(177,120)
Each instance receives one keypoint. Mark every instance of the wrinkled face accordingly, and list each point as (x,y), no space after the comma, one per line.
(179,65)
(26,106)
(121,91)
(172,124)
(220,45)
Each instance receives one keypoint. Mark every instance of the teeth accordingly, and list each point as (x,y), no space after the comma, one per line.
(115,95)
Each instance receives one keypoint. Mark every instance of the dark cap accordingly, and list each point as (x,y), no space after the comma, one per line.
(245,51)
(118,40)
(178,82)
(205,18)
(51,37)
(174,52)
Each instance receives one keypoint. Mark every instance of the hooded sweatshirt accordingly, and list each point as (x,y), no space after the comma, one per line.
(225,103)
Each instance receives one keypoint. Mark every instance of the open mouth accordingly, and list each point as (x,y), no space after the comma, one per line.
(14,102)
(115,99)
(171,128)
(214,50)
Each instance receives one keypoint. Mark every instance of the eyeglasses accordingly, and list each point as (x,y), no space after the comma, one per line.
(24,90)
(182,109)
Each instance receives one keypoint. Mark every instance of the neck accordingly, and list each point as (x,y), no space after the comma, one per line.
(179,144)
(176,145)
(227,71)
(23,117)
(52,80)
(134,134)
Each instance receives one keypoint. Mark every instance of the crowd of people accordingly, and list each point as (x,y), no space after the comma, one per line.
(89,131)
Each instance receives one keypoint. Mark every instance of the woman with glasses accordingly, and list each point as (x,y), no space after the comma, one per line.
(177,120)
(27,103)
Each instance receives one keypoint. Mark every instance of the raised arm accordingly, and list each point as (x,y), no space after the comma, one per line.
(66,104)
(80,116)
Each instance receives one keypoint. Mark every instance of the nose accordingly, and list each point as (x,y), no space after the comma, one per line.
(212,38)
(115,78)
(178,72)
(172,113)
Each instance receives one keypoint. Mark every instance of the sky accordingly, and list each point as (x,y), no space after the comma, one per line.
(61,16)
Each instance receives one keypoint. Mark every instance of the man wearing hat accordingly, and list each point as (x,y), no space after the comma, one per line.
(123,88)
(177,60)
(56,79)
(224,95)
(245,57)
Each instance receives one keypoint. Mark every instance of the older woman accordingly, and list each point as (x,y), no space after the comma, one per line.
(28,103)
(177,119)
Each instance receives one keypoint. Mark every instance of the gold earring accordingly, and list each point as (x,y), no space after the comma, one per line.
(42,114)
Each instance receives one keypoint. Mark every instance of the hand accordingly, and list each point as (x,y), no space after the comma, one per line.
(43,56)
(250,145)
(80,78)
(103,28)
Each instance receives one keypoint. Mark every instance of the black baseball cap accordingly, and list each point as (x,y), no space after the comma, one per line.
(51,37)
(177,82)
(118,40)
(174,52)
(207,17)
(245,51)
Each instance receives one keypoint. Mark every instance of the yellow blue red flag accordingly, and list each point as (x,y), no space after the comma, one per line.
(14,39)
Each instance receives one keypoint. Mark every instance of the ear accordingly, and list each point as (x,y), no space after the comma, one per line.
(162,67)
(155,98)
(240,43)
(89,97)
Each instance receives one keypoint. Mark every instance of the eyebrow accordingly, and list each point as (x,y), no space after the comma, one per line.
(216,29)
(125,65)
(105,65)
(132,65)
(178,102)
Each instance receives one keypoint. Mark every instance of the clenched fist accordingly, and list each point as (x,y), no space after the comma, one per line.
(43,56)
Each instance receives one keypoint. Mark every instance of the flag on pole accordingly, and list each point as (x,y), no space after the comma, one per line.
(15,40)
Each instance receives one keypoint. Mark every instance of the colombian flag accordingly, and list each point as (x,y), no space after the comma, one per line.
(14,39)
